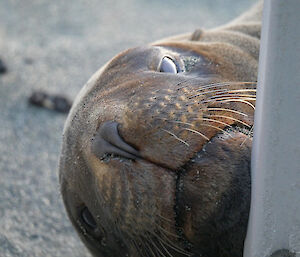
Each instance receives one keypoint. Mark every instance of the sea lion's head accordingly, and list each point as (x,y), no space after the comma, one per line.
(156,151)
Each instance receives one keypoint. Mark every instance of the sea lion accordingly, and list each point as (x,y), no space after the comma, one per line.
(156,149)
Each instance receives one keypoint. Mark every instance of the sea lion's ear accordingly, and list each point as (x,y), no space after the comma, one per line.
(196,35)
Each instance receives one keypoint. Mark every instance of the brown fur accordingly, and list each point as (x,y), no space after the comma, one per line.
(187,191)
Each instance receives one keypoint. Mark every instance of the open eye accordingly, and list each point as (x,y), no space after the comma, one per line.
(88,219)
(168,65)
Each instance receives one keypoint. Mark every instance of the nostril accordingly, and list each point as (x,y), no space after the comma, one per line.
(108,141)
(88,219)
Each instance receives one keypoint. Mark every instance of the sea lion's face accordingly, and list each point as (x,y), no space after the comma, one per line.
(156,154)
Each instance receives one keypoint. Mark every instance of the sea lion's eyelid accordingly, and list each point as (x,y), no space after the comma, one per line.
(168,65)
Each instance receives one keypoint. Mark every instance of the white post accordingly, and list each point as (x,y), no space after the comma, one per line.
(275,206)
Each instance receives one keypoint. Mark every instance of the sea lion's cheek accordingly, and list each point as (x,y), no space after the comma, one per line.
(90,222)
(133,192)
(134,199)
(159,126)
(213,192)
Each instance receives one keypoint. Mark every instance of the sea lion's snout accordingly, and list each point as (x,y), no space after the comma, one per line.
(108,141)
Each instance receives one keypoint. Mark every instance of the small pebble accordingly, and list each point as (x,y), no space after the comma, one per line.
(283,253)
(52,102)
(3,68)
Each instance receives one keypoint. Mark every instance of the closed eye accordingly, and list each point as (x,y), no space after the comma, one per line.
(91,228)
(168,65)
(88,219)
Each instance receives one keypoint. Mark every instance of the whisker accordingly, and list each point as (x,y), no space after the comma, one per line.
(230,100)
(223,99)
(181,122)
(242,90)
(179,139)
(218,91)
(156,247)
(150,249)
(240,100)
(231,118)
(216,85)
(164,218)
(250,131)
(119,232)
(168,232)
(225,110)
(197,132)
(136,245)
(199,119)
(166,250)
(208,125)
(224,96)
(217,121)
(170,244)
(213,85)
(147,242)
(223,84)
(212,126)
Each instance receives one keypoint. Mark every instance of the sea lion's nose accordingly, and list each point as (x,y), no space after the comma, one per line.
(108,141)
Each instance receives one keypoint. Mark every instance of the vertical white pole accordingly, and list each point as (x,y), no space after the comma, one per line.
(275,206)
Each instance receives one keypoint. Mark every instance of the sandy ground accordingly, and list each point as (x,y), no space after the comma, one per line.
(56,46)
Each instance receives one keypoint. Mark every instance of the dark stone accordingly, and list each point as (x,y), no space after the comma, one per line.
(52,102)
(283,253)
(3,68)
